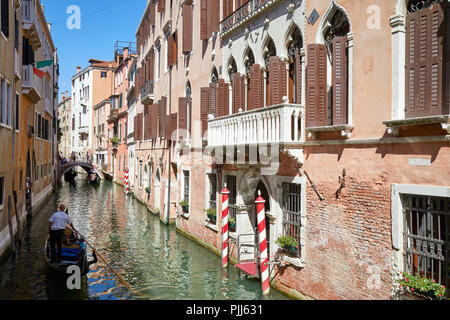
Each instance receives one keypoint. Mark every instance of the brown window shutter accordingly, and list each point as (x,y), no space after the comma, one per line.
(161,115)
(446,59)
(170,50)
(147,123)
(174,48)
(139,126)
(204,108)
(204,20)
(213,97)
(187,28)
(223,98)
(316,107)
(161,5)
(152,17)
(274,79)
(215,15)
(182,113)
(340,77)
(424,62)
(238,92)
(298,78)
(283,80)
(171,125)
(256,81)
(153,121)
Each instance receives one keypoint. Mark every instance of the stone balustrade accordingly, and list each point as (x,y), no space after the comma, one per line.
(282,123)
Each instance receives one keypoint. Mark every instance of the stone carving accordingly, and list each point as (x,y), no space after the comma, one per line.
(248,184)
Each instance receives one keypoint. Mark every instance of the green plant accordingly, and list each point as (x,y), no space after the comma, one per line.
(184,203)
(287,242)
(211,213)
(115,140)
(232,221)
(424,286)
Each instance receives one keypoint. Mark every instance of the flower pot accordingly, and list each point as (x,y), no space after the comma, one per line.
(232,226)
(185,208)
(212,218)
(414,296)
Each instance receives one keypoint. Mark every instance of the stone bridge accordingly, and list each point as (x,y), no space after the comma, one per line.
(87,166)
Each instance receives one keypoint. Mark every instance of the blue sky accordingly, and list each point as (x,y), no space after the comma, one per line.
(102,24)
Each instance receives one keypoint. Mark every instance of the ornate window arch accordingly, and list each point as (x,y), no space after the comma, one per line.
(335,33)
(295,51)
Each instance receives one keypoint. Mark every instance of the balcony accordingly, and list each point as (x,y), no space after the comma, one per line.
(31,25)
(113,114)
(31,84)
(279,124)
(243,14)
(147,96)
(83,130)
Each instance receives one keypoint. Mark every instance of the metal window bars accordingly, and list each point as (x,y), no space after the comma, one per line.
(427,237)
(241,13)
(292,212)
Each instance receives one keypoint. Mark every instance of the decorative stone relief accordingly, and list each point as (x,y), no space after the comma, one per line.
(248,185)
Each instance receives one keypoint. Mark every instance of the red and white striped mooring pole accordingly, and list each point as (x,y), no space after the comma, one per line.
(225,194)
(263,259)
(126,181)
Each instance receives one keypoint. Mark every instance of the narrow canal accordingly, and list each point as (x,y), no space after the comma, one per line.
(158,262)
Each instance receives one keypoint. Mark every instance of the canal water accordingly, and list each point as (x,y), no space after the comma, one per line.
(158,262)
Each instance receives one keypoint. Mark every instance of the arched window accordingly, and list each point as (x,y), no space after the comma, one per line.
(214,76)
(294,46)
(249,61)
(269,52)
(335,37)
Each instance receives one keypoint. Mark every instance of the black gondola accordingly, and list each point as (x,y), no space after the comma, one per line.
(93,178)
(70,175)
(75,255)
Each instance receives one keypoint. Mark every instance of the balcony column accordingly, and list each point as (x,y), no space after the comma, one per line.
(255,129)
(272,127)
(296,115)
(277,125)
(259,129)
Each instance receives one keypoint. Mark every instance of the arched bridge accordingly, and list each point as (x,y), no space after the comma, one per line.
(87,166)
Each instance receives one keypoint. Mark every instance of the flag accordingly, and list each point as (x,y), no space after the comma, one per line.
(39,73)
(44,65)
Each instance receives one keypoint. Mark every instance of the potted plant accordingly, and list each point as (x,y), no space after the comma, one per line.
(232,224)
(185,206)
(147,189)
(211,214)
(418,287)
(115,141)
(288,243)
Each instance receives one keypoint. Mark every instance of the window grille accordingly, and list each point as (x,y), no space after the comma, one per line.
(186,185)
(212,190)
(427,237)
(292,211)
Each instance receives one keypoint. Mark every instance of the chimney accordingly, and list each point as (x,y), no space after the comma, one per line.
(78,69)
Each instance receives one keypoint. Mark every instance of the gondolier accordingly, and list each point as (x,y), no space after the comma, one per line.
(56,226)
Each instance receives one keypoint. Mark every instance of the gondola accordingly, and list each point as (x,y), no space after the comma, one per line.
(69,176)
(93,179)
(75,254)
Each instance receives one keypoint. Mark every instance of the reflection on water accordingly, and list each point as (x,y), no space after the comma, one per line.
(158,262)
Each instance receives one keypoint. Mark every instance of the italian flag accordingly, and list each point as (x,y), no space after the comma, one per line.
(45,65)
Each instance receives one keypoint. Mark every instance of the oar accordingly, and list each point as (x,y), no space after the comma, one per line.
(115,272)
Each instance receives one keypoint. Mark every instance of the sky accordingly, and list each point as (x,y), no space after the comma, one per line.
(101,24)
